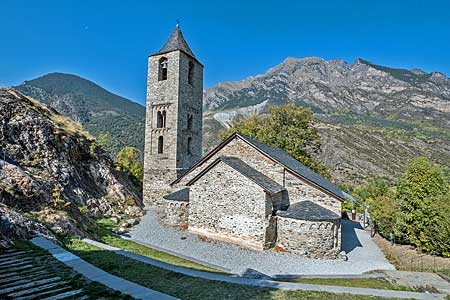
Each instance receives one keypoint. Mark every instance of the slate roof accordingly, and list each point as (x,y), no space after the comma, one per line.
(180,195)
(295,166)
(176,42)
(309,211)
(283,158)
(260,179)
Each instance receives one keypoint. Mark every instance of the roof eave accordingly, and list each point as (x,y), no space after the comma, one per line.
(165,52)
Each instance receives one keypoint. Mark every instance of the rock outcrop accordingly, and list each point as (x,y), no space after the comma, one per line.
(54,171)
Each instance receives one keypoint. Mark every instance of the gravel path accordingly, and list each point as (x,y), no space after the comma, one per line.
(362,252)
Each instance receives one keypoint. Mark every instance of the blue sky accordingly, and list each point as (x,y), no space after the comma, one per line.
(108,41)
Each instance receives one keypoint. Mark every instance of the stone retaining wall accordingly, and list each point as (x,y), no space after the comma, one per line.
(315,239)
(176,213)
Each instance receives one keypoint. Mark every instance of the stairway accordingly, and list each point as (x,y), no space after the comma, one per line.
(23,276)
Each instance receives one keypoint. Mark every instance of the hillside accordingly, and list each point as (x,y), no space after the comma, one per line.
(52,172)
(372,119)
(98,110)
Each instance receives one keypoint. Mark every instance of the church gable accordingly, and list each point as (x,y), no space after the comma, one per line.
(270,186)
(271,161)
(236,147)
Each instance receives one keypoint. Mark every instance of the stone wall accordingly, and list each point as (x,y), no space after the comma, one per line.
(190,103)
(248,154)
(176,212)
(299,190)
(178,99)
(315,239)
(226,205)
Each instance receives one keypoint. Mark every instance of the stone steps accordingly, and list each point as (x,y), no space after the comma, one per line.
(40,291)
(14,261)
(19,272)
(17,277)
(24,278)
(65,295)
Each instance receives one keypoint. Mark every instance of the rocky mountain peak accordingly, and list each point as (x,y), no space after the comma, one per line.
(335,85)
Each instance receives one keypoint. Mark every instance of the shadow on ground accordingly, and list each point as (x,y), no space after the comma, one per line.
(350,239)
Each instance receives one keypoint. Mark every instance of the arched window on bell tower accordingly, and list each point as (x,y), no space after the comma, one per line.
(160,144)
(164,118)
(159,120)
(162,70)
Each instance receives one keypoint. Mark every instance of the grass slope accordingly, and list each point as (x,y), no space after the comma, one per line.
(186,287)
(371,283)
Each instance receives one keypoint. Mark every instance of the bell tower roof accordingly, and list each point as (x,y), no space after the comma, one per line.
(176,42)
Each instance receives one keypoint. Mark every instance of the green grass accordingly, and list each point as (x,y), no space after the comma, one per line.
(186,287)
(371,283)
(106,236)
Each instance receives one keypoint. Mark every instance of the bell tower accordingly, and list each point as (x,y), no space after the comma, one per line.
(174,108)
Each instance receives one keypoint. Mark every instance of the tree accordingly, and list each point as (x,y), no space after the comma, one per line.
(372,189)
(128,161)
(422,184)
(104,140)
(287,127)
(439,230)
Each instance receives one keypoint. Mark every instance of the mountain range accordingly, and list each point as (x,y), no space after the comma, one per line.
(372,119)
(98,110)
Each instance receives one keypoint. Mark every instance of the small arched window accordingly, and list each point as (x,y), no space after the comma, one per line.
(189,122)
(162,73)
(164,118)
(189,145)
(191,72)
(159,120)
(160,144)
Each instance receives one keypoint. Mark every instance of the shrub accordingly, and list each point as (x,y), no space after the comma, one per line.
(423,184)
(417,210)
(128,161)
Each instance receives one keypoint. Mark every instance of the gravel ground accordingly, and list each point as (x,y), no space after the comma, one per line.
(363,254)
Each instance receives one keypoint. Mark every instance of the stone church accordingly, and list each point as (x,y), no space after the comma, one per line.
(243,191)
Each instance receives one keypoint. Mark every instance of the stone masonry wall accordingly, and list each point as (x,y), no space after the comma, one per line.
(226,205)
(190,103)
(319,239)
(299,190)
(160,169)
(177,98)
(248,154)
(176,212)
